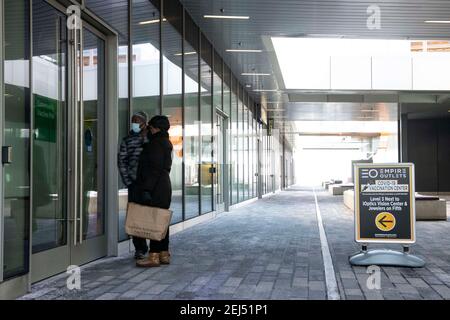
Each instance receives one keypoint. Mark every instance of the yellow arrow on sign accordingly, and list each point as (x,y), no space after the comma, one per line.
(385,221)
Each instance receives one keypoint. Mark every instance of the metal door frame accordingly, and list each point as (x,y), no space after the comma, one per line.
(108,242)
(2,117)
(224,206)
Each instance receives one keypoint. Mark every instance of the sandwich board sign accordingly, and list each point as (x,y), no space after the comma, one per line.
(384,203)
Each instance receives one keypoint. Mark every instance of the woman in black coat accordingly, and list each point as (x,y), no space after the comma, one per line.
(152,186)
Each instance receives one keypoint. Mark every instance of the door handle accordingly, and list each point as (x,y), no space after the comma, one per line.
(81,137)
(6,154)
(78,115)
(74,112)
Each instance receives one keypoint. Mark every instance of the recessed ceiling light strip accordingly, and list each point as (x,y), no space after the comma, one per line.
(244,50)
(212,16)
(255,74)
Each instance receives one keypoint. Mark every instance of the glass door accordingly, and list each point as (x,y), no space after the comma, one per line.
(68,223)
(88,240)
(220,163)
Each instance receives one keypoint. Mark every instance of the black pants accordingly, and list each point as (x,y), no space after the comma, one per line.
(158,246)
(140,244)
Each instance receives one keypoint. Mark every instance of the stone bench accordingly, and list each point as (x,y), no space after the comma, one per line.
(338,189)
(326,184)
(427,207)
(349,199)
(430,208)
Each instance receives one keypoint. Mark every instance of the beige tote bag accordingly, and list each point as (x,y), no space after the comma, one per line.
(147,222)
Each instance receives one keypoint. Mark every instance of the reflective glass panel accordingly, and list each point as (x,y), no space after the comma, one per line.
(173,98)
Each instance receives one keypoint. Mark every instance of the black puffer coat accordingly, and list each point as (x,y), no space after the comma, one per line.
(153,174)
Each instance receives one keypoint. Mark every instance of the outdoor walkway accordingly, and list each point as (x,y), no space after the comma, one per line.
(269,249)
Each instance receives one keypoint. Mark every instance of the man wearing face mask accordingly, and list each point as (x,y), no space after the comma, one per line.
(128,159)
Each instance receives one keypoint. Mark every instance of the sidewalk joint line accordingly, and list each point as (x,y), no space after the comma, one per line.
(330,276)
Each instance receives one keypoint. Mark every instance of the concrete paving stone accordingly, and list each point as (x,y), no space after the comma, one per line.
(105,278)
(233,282)
(429,294)
(278,294)
(359,270)
(373,295)
(409,296)
(264,287)
(91,285)
(144,285)
(200,281)
(268,279)
(185,295)
(156,289)
(316,285)
(347,275)
(431,280)
(123,287)
(406,288)
(227,290)
(300,282)
(109,296)
(442,290)
(299,293)
(392,295)
(350,283)
(272,267)
(257,269)
(99,291)
(361,297)
(145,297)
(166,296)
(418,283)
(397,279)
(287,270)
(316,295)
(353,292)
(283,283)
(131,294)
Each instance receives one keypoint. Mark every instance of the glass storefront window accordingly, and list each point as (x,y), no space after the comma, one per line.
(217,82)
(16,210)
(241,146)
(172,103)
(191,119)
(234,143)
(250,152)
(206,126)
(226,90)
(49,142)
(117,17)
(145,28)
(255,159)
(245,149)
(145,91)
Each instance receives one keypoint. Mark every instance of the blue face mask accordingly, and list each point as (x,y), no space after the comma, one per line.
(136,127)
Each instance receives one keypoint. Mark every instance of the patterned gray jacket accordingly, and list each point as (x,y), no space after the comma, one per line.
(128,158)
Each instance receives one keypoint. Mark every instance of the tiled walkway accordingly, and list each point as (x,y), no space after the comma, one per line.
(269,249)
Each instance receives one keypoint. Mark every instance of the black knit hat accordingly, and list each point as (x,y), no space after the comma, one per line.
(160,122)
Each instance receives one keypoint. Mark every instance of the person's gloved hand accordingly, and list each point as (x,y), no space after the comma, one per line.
(146,196)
